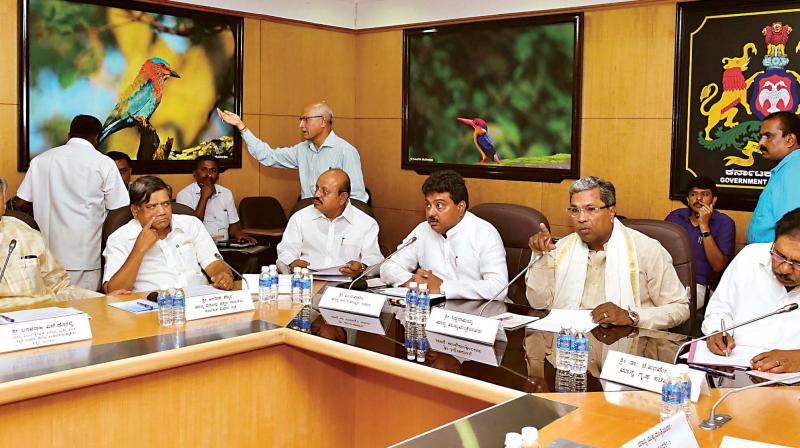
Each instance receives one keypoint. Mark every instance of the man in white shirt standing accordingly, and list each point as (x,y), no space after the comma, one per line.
(321,149)
(70,189)
(456,253)
(157,248)
(761,279)
(213,204)
(331,232)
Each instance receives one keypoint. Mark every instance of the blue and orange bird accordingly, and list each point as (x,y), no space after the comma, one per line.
(483,141)
(140,99)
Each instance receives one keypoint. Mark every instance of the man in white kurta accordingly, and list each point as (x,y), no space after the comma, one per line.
(762,278)
(456,253)
(72,188)
(331,232)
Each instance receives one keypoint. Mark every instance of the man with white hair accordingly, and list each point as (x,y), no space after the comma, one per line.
(320,150)
(623,276)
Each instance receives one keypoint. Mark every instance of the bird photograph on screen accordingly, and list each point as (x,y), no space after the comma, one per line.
(153,77)
(491,94)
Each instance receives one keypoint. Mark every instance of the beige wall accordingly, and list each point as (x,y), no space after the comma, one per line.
(626,124)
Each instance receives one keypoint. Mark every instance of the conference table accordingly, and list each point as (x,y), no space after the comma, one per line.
(258,378)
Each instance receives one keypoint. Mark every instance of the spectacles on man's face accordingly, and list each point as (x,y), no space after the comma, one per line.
(781,259)
(308,117)
(590,210)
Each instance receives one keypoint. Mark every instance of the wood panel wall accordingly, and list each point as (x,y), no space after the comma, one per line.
(626,128)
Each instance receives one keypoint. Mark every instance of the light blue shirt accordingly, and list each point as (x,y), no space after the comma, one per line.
(781,195)
(335,152)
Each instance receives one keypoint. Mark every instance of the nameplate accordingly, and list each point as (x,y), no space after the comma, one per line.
(353,321)
(464,350)
(644,373)
(217,304)
(672,432)
(463,325)
(359,302)
(43,332)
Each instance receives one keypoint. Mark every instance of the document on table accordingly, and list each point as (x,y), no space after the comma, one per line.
(735,442)
(333,270)
(37,313)
(558,319)
(513,321)
(137,306)
(782,377)
(740,356)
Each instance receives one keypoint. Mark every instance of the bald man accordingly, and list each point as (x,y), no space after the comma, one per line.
(331,232)
(321,149)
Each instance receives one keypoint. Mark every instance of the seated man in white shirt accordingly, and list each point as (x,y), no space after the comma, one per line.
(623,276)
(456,253)
(213,204)
(761,279)
(157,248)
(331,232)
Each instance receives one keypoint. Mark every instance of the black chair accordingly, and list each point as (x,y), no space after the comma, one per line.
(119,217)
(261,212)
(675,239)
(24,217)
(515,224)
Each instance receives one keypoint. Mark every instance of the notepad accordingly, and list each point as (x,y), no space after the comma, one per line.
(137,306)
(39,313)
(558,319)
(782,377)
(511,321)
(740,356)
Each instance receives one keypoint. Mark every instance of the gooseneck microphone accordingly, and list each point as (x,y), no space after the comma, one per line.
(715,420)
(219,257)
(524,270)
(372,268)
(784,309)
(11,245)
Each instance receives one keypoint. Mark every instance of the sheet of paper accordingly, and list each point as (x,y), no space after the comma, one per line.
(137,306)
(38,313)
(201,290)
(740,356)
(332,277)
(511,321)
(735,442)
(375,282)
(783,377)
(333,270)
(558,319)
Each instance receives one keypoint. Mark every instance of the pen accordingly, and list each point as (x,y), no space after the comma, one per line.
(7,319)
(724,336)
(713,371)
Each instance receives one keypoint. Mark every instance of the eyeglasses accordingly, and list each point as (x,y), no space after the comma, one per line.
(781,259)
(590,210)
(166,205)
(306,118)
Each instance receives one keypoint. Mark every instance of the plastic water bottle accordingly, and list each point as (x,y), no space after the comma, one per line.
(305,319)
(164,307)
(513,440)
(410,340)
(578,383)
(563,381)
(423,305)
(297,284)
(179,304)
(686,389)
(671,396)
(273,283)
(530,437)
(580,352)
(305,292)
(264,284)
(563,347)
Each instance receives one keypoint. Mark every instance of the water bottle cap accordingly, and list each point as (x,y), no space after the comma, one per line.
(272,266)
(264,268)
(529,435)
(424,287)
(305,271)
(297,269)
(412,285)
(513,439)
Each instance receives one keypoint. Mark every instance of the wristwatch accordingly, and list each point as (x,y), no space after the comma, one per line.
(634,316)
(705,234)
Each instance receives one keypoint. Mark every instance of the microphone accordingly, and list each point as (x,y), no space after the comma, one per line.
(524,270)
(11,245)
(219,257)
(371,268)
(784,309)
(715,421)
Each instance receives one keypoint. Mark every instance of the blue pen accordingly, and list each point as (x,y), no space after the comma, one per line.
(713,371)
(7,319)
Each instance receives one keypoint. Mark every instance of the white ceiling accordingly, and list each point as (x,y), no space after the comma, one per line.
(365,14)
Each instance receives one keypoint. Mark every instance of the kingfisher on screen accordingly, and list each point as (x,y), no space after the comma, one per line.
(483,141)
